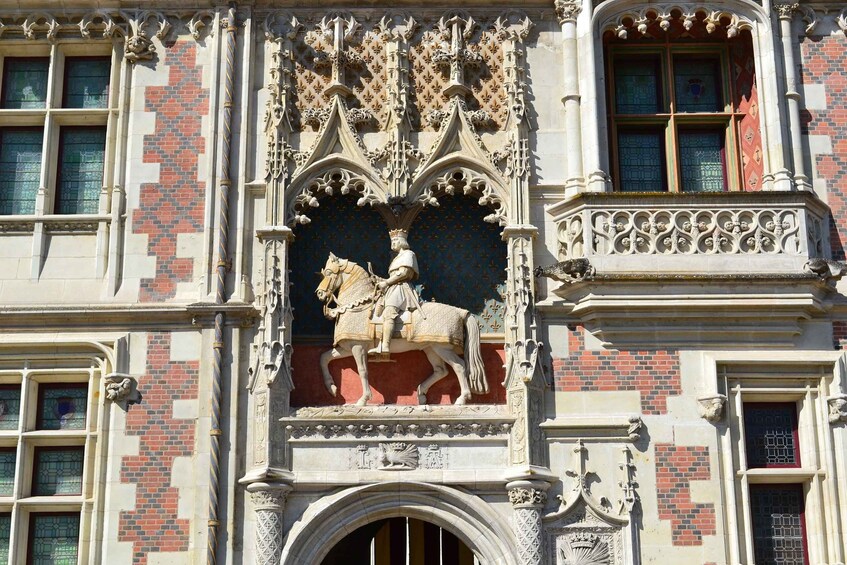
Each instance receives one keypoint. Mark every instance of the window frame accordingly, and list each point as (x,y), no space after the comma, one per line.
(32,373)
(53,117)
(669,120)
(807,378)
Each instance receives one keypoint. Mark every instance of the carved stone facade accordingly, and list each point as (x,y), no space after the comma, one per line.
(624,342)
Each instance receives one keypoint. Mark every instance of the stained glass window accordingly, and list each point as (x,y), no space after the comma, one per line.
(62,407)
(86,82)
(641,161)
(20,169)
(10,406)
(770,433)
(5,536)
(25,82)
(696,84)
(80,178)
(637,86)
(8,457)
(701,158)
(57,471)
(778,530)
(54,539)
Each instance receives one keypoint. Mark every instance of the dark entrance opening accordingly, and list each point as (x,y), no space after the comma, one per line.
(401,541)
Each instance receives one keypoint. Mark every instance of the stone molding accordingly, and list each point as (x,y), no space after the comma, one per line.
(633,24)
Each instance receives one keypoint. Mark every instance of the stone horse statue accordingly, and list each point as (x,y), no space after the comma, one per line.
(441,331)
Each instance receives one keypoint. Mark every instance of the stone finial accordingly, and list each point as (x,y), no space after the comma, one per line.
(711,407)
(567,10)
(837,408)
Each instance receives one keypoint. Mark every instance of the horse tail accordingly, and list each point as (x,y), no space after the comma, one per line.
(473,357)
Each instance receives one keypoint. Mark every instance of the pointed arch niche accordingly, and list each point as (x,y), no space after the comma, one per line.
(462,259)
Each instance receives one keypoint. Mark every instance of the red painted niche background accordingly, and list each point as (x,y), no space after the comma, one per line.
(391,383)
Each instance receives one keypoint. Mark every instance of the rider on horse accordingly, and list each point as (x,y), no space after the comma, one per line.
(397,295)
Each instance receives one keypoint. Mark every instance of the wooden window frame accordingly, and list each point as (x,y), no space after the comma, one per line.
(794,432)
(671,120)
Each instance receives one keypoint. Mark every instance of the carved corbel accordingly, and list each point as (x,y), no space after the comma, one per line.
(837,408)
(139,45)
(120,388)
(826,269)
(710,408)
(568,271)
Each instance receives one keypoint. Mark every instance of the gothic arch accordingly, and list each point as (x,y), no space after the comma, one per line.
(333,175)
(456,174)
(327,521)
(743,14)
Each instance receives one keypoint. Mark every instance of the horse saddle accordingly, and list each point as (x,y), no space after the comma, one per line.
(402,325)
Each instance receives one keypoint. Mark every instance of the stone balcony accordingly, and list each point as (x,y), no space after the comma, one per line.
(719,267)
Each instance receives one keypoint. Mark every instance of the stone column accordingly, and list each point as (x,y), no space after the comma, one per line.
(786,12)
(528,498)
(567,12)
(268,503)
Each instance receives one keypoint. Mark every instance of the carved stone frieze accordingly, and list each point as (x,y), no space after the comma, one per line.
(396,456)
(710,408)
(636,23)
(430,428)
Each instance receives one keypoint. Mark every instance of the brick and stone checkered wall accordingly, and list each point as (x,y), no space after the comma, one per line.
(154,526)
(823,62)
(676,467)
(175,204)
(653,373)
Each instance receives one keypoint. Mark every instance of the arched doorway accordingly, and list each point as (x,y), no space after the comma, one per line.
(401,541)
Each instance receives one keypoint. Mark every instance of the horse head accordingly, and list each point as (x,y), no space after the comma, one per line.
(332,274)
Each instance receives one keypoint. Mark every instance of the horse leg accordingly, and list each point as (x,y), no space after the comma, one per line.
(458,365)
(360,354)
(439,371)
(327,356)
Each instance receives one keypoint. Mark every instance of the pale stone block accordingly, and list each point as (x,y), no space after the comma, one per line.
(15,246)
(138,355)
(185,409)
(814,96)
(68,268)
(557,340)
(61,245)
(598,402)
(139,266)
(184,479)
(186,346)
(170,558)
(593,343)
(82,290)
(28,292)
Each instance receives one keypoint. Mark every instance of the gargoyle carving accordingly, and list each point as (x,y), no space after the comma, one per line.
(826,269)
(569,271)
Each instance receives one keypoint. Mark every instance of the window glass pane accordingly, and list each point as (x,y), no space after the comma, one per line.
(20,169)
(637,86)
(641,162)
(25,82)
(62,407)
(54,539)
(697,84)
(57,471)
(8,456)
(5,534)
(10,407)
(83,152)
(778,535)
(701,158)
(770,435)
(86,82)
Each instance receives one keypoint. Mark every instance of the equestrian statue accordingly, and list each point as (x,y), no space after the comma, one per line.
(375,317)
